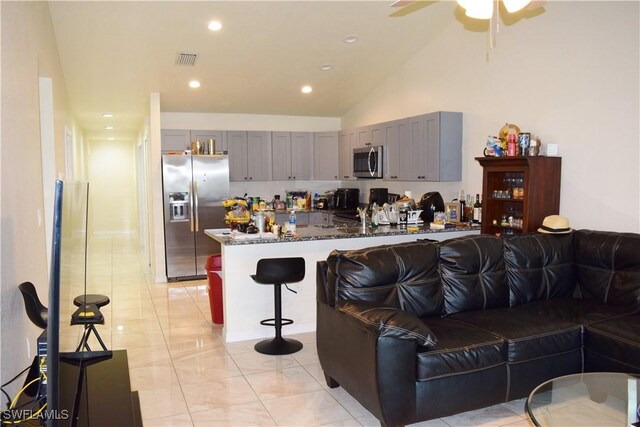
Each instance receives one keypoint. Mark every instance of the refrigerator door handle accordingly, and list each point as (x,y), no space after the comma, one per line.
(191,206)
(195,198)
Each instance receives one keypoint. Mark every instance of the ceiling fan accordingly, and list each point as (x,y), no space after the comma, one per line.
(478,9)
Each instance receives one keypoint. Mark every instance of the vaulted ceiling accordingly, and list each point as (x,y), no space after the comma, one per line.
(114,54)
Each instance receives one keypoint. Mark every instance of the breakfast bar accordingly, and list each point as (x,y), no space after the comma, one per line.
(246,303)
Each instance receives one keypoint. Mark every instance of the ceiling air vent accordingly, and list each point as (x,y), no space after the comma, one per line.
(186,59)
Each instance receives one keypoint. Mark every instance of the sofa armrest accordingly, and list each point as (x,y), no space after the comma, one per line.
(391,322)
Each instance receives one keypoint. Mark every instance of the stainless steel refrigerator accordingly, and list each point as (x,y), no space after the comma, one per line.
(193,190)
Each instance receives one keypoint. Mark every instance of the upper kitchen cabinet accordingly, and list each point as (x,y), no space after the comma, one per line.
(219,136)
(175,140)
(424,148)
(348,139)
(443,131)
(292,155)
(249,155)
(326,155)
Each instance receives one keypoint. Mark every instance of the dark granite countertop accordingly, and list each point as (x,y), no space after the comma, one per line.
(322,232)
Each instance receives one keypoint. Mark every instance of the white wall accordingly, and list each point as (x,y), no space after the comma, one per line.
(113,204)
(569,75)
(28,52)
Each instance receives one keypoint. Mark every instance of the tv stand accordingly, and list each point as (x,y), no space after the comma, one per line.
(104,397)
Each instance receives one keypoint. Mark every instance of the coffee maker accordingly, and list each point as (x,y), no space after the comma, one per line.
(430,203)
(380,196)
(346,199)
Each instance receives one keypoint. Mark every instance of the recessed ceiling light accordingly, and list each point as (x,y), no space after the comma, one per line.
(352,38)
(306,89)
(194,84)
(326,67)
(108,115)
(215,26)
(111,138)
(109,127)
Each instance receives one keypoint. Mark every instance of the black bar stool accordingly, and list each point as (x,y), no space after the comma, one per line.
(88,314)
(277,272)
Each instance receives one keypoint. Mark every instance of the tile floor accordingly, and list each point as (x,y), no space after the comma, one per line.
(187,375)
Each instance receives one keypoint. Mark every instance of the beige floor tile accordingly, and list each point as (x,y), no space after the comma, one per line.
(349,403)
(150,377)
(162,402)
(205,366)
(308,355)
(280,383)
(218,393)
(247,414)
(496,415)
(182,420)
(132,340)
(308,409)
(252,363)
(147,356)
(315,370)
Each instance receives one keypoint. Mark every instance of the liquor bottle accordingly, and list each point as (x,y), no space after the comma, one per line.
(469,208)
(477,210)
(462,203)
(291,228)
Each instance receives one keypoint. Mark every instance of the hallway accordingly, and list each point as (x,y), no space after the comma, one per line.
(187,376)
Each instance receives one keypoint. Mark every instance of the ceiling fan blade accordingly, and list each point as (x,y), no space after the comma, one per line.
(410,6)
(402,3)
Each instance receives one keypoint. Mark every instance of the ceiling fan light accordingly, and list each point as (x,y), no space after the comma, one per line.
(515,5)
(479,9)
(463,3)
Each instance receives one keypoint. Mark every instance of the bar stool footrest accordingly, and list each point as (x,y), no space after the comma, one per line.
(272,322)
(277,346)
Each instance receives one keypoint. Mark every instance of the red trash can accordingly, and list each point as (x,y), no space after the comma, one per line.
(214,287)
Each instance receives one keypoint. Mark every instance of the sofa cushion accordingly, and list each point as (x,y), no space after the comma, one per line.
(461,348)
(617,339)
(529,332)
(539,267)
(583,312)
(473,274)
(608,266)
(390,322)
(402,275)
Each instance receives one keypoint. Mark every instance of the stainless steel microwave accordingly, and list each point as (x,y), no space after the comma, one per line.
(367,162)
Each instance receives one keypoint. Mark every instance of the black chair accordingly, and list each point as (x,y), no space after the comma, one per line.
(89,315)
(36,312)
(277,272)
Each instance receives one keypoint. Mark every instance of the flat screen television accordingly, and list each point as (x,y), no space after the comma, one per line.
(68,277)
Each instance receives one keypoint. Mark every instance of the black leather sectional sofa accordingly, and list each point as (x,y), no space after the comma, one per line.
(423,330)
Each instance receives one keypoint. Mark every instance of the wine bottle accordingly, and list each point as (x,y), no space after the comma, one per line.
(477,210)
(461,217)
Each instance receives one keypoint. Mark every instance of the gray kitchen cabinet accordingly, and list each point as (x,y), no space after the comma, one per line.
(259,156)
(424,148)
(326,155)
(249,155)
(320,218)
(347,144)
(363,137)
(175,140)
(377,134)
(292,155)
(281,148)
(387,134)
(219,136)
(302,155)
(443,133)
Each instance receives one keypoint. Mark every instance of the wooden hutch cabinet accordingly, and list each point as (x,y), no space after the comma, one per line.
(518,192)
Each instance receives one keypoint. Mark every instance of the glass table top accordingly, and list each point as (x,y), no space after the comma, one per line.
(600,399)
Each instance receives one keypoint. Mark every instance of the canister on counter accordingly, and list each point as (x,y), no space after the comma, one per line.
(211,146)
(523,141)
(403,217)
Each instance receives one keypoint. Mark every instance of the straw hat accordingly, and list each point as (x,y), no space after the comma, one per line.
(555,224)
